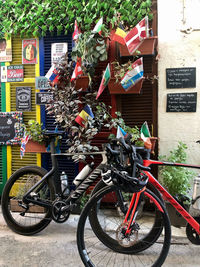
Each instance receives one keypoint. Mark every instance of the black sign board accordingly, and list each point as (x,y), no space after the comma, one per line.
(181,102)
(43,98)
(10,130)
(23,98)
(181,78)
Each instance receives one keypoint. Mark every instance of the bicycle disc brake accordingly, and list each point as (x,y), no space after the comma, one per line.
(192,235)
(60,211)
(126,240)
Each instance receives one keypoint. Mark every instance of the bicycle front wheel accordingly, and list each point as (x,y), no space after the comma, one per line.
(121,250)
(27,218)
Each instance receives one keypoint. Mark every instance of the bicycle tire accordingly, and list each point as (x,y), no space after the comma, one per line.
(95,254)
(151,237)
(36,218)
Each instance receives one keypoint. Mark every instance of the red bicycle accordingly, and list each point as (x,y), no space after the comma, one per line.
(134,238)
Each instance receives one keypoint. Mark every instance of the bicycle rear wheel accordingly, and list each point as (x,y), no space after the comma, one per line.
(22,218)
(121,250)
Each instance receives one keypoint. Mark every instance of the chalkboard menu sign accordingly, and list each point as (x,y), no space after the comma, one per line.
(43,98)
(181,102)
(23,98)
(181,78)
(10,130)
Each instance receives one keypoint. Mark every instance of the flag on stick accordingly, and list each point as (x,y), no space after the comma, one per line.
(137,35)
(119,35)
(82,118)
(120,132)
(77,70)
(134,75)
(105,80)
(145,135)
(98,26)
(52,74)
(76,32)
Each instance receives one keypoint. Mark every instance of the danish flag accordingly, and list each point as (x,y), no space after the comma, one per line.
(137,35)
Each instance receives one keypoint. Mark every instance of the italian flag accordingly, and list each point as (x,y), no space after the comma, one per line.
(105,80)
(145,135)
(98,26)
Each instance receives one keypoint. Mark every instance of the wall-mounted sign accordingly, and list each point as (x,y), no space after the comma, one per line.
(43,98)
(42,83)
(5,50)
(29,51)
(57,51)
(3,74)
(15,73)
(181,78)
(10,130)
(181,102)
(23,98)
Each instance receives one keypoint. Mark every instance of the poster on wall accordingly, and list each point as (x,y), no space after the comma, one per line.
(15,73)
(42,83)
(5,50)
(57,51)
(29,51)
(3,74)
(10,129)
(23,98)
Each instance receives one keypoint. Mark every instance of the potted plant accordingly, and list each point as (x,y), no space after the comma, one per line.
(177,180)
(118,72)
(36,138)
(92,48)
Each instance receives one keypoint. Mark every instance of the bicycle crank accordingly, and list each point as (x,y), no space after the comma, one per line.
(192,235)
(60,211)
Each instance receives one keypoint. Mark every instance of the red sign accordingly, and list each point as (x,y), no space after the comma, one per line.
(29,51)
(15,73)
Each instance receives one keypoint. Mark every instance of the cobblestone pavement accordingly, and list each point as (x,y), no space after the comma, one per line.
(56,247)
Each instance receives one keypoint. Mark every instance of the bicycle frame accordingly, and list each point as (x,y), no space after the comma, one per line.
(165,193)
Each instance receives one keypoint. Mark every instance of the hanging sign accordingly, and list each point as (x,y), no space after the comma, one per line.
(10,130)
(42,83)
(5,50)
(29,51)
(43,98)
(57,51)
(23,98)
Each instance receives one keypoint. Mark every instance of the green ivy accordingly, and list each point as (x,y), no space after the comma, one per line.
(36,17)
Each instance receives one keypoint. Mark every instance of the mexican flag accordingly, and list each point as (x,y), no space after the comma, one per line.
(105,80)
(98,26)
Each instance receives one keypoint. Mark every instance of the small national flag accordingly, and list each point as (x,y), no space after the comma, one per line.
(52,74)
(98,26)
(145,135)
(134,75)
(105,80)
(120,132)
(24,141)
(83,116)
(137,35)
(76,32)
(119,36)
(77,70)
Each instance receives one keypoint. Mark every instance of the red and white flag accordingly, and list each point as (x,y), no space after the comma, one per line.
(77,70)
(137,35)
(76,32)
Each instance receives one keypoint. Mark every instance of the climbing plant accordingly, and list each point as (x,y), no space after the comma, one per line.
(36,17)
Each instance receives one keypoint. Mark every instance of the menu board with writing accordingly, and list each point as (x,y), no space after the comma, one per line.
(181,102)
(181,78)
(10,130)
